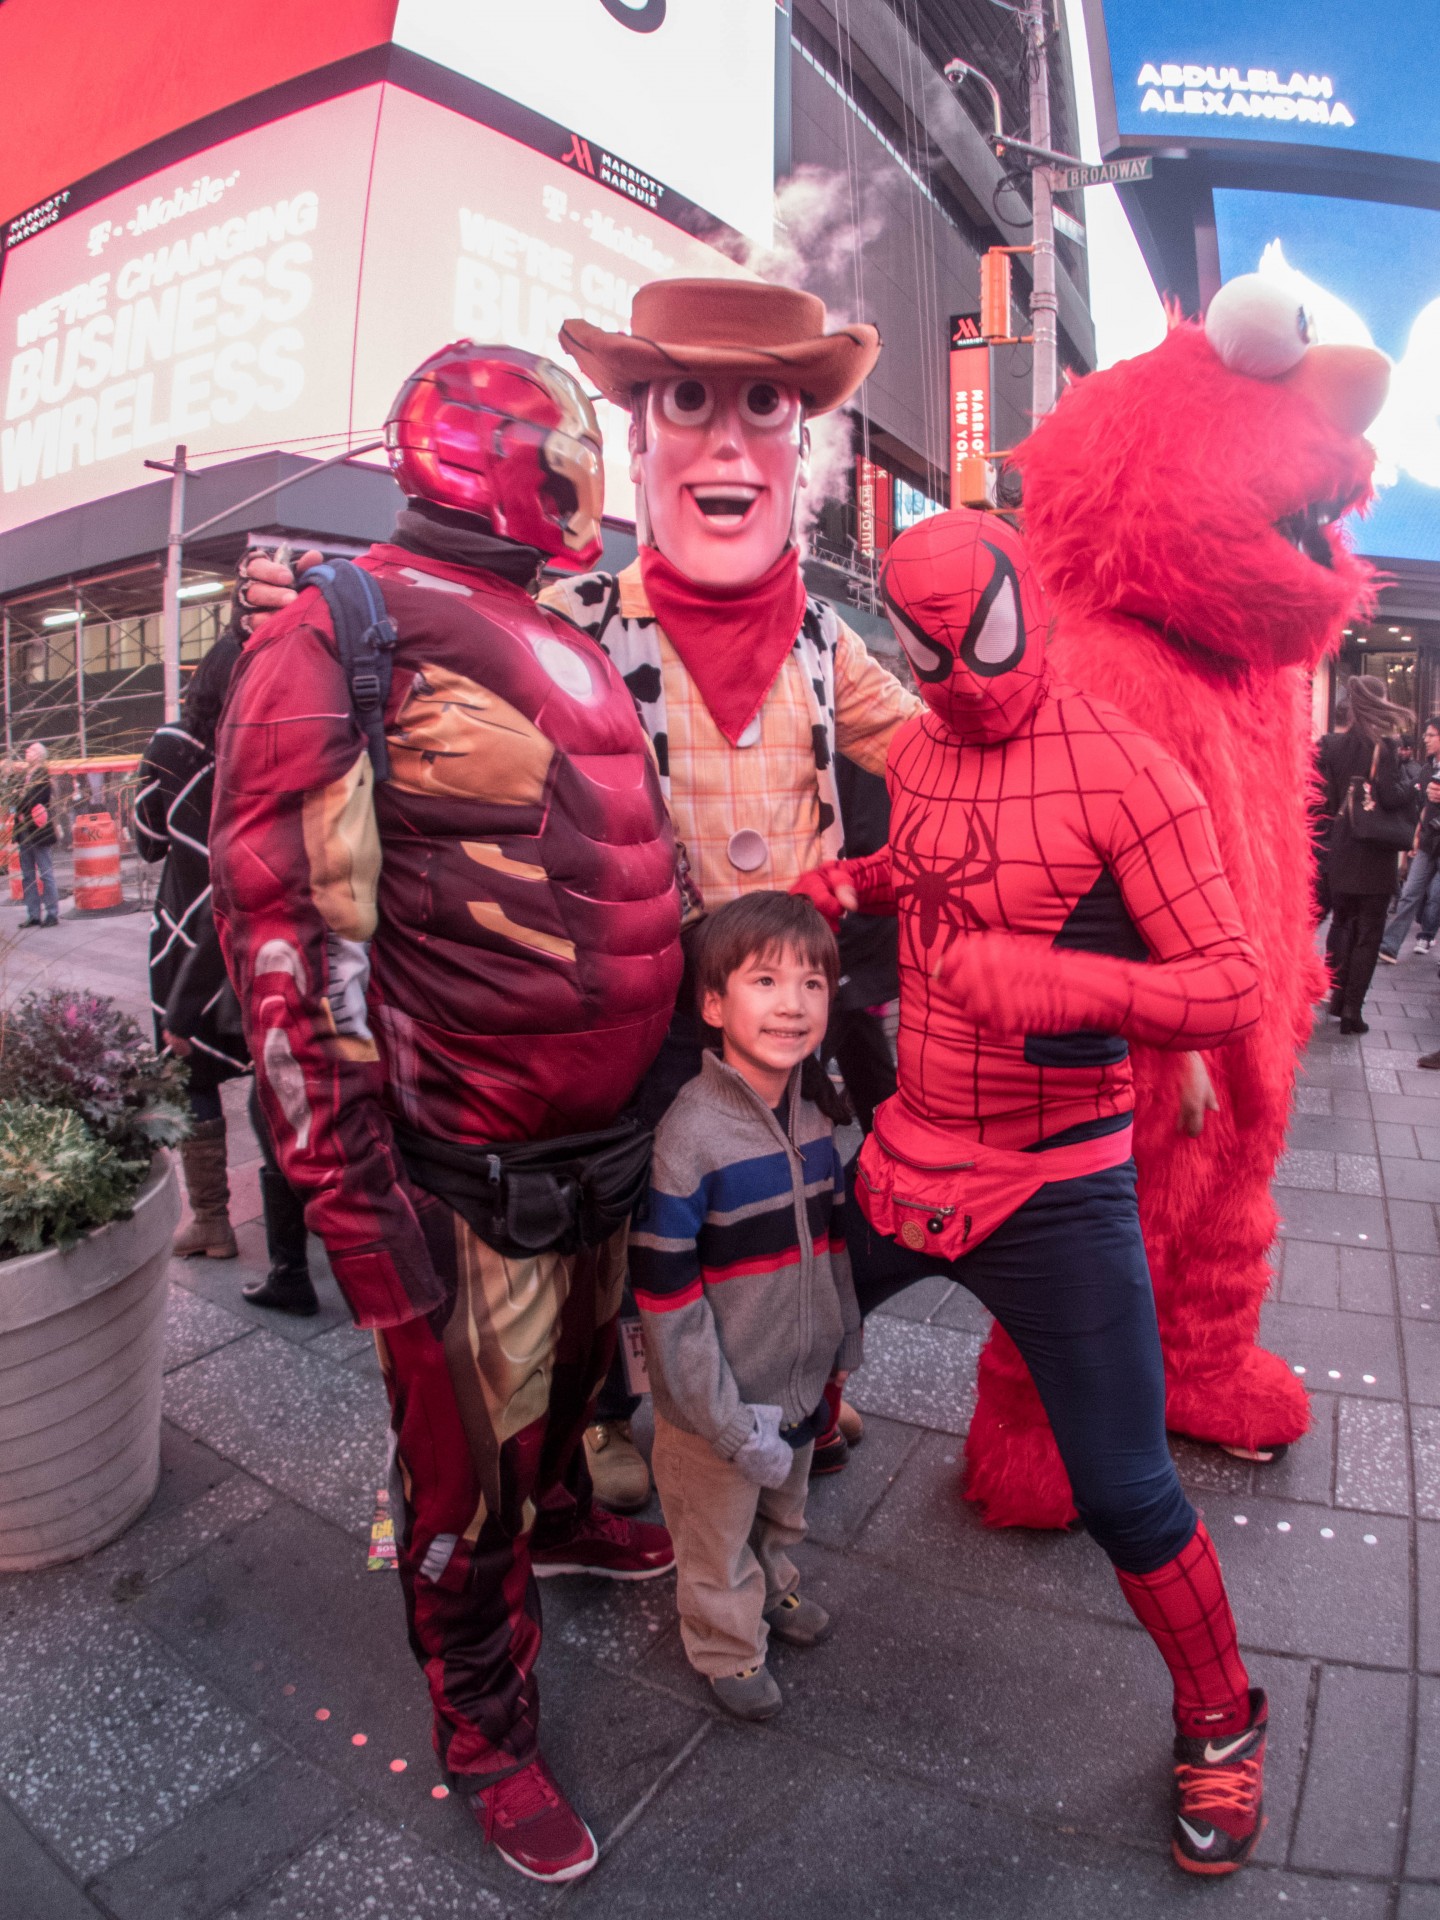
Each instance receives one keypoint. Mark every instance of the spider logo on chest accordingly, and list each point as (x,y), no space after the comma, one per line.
(932,892)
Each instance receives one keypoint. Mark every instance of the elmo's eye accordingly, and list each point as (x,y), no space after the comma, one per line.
(687,403)
(1258,328)
(763,404)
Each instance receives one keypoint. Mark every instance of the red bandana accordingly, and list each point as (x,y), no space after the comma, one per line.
(733,643)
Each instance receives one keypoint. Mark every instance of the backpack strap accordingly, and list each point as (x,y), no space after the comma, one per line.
(365,639)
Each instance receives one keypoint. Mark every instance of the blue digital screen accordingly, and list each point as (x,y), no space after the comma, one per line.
(1310,72)
(1369,274)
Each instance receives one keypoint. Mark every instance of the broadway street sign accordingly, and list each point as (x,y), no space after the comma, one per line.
(1110,173)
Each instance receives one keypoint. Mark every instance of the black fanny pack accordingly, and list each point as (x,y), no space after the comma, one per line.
(527,1197)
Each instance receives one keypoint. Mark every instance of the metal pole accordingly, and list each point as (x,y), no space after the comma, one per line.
(80,666)
(1042,291)
(9,740)
(170,612)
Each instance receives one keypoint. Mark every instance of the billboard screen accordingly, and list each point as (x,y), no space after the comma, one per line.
(1370,275)
(682,91)
(275,290)
(1309,72)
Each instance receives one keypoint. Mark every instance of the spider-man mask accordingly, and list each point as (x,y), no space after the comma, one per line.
(966,606)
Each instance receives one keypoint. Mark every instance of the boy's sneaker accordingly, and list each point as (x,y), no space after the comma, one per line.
(609,1547)
(532,1826)
(1390,959)
(799,1623)
(1422,945)
(751,1695)
(831,1455)
(1220,1787)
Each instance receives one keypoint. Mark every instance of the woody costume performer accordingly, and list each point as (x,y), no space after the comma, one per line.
(749,687)
(439,967)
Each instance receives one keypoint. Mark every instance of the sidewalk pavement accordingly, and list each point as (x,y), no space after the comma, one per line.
(218,1718)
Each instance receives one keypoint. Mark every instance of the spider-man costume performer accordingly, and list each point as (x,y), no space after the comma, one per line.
(483,949)
(1059,892)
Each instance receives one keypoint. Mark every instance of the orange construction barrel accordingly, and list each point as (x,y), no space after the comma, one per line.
(97,863)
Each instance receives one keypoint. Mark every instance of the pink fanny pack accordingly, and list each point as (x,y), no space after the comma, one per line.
(936,1191)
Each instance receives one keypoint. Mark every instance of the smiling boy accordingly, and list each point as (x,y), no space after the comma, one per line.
(744,1290)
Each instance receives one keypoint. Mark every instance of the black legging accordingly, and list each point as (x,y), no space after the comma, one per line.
(1354,947)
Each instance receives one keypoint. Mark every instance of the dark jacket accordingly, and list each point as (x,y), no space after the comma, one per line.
(1429,841)
(28,832)
(869,943)
(189,989)
(1362,866)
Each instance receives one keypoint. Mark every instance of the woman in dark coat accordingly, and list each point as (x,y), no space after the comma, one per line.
(1361,872)
(196,1013)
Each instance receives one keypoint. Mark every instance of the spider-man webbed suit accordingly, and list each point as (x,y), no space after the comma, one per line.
(481,951)
(1059,892)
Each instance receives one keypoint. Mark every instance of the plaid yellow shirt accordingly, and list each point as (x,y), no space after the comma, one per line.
(716,789)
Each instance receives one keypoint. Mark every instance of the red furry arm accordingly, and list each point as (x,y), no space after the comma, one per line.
(1201,988)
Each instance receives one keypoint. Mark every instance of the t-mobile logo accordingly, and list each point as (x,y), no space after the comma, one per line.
(641,16)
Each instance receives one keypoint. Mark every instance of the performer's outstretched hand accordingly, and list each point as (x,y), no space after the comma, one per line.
(265,581)
(831,889)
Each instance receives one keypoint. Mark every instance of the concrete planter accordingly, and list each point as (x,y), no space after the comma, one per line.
(82,1334)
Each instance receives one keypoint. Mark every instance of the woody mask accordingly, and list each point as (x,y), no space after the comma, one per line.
(718,460)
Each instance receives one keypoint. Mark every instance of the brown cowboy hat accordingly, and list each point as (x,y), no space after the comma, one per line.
(725,326)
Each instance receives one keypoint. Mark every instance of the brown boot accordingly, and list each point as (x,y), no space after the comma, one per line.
(203,1158)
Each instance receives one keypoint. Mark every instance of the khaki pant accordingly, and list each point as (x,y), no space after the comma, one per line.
(731,1547)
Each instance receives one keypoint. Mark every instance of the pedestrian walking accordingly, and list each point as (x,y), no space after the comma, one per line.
(1420,891)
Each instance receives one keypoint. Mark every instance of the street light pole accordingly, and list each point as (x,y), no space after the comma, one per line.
(170,605)
(1042,287)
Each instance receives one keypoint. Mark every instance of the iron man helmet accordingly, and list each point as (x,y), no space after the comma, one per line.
(505,435)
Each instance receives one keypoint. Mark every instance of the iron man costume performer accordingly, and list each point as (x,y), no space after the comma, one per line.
(484,947)
(1059,891)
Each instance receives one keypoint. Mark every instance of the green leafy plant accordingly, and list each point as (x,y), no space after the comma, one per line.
(57,1178)
(79,1052)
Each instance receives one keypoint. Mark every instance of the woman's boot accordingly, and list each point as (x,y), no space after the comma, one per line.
(202,1157)
(287,1287)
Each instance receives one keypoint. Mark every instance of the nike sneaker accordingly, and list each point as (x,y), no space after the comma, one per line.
(605,1545)
(1220,1789)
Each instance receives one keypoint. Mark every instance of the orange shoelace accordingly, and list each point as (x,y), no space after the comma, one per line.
(1209,1791)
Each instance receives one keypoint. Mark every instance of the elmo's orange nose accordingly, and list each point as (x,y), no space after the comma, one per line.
(1348,384)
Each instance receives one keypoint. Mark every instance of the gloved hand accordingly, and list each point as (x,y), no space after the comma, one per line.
(830,888)
(766,1459)
(265,581)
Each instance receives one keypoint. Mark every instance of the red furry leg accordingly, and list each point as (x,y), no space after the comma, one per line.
(1220,1386)
(1013,1470)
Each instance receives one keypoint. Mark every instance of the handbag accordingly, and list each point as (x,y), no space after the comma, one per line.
(525,1197)
(1368,821)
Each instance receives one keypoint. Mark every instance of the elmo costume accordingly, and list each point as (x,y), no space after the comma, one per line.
(1181,510)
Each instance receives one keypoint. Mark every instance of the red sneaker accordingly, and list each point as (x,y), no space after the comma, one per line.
(533,1827)
(612,1548)
(1220,1790)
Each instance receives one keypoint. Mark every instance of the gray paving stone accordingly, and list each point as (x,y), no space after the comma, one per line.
(341,1344)
(194,1326)
(1372,1470)
(1367,1284)
(1418,1276)
(1307,1167)
(105,1739)
(1425,1441)
(1427,1139)
(1422,1361)
(1355,1780)
(1422,1859)
(36,1886)
(220,1282)
(1312,1099)
(161,1542)
(919,1301)
(907,1850)
(1427,1556)
(1418,1903)
(1357,1173)
(227,1845)
(1323,1131)
(188,1468)
(366,1867)
(1350,1219)
(1422,1085)
(1396,1141)
(1411,1179)
(1340,1352)
(923,1375)
(1306,1472)
(840,1503)
(1345,1598)
(314,1431)
(1310,1276)
(1348,1103)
